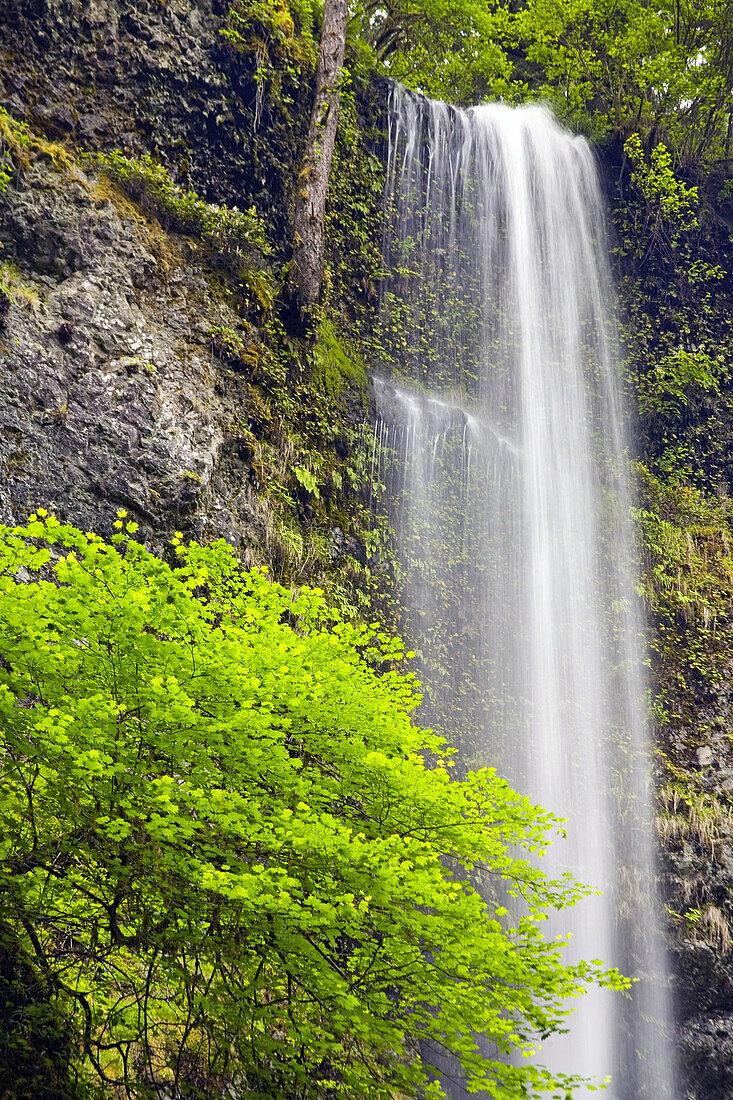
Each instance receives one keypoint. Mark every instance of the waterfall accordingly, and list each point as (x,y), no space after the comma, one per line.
(499,456)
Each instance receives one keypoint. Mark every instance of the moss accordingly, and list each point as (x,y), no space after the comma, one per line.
(232,231)
(278,34)
(354,213)
(16,289)
(304,430)
(304,436)
(693,818)
(333,363)
(299,441)
(15,140)
(260,417)
(234,349)
(689,542)
(687,584)
(19,146)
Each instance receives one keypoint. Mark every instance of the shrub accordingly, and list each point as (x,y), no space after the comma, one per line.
(224,848)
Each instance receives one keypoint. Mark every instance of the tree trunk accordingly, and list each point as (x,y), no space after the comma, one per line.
(306,273)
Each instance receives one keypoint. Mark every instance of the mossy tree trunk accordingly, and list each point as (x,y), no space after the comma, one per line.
(306,273)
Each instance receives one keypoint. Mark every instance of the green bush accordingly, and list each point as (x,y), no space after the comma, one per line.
(222,844)
(679,381)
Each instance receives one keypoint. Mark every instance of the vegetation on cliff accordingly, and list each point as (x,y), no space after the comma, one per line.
(675,265)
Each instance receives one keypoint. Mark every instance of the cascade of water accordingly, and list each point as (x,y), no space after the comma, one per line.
(510,505)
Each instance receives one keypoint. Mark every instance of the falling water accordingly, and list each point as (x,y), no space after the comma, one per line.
(501,455)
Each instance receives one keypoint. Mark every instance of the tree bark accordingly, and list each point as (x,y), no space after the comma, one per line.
(306,272)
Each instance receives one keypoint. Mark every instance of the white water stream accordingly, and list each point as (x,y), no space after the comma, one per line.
(501,456)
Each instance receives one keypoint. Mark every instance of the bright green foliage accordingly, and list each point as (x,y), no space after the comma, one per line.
(222,846)
(670,205)
(306,480)
(676,384)
(662,69)
(660,187)
(230,230)
(452,51)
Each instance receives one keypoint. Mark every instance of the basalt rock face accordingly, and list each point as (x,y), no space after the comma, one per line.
(698,881)
(155,76)
(114,391)
(110,396)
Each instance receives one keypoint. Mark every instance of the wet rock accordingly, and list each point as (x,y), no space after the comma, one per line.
(151,77)
(707,1054)
(58,119)
(698,880)
(703,983)
(109,396)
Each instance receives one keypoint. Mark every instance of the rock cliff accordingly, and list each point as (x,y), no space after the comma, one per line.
(139,371)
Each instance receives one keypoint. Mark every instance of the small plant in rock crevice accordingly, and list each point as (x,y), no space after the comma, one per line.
(233,239)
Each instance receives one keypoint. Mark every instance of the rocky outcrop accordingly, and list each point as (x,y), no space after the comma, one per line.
(130,372)
(708,1054)
(155,76)
(697,842)
(110,394)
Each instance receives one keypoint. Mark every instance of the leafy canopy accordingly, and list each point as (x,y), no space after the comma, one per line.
(661,69)
(224,848)
(455,51)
